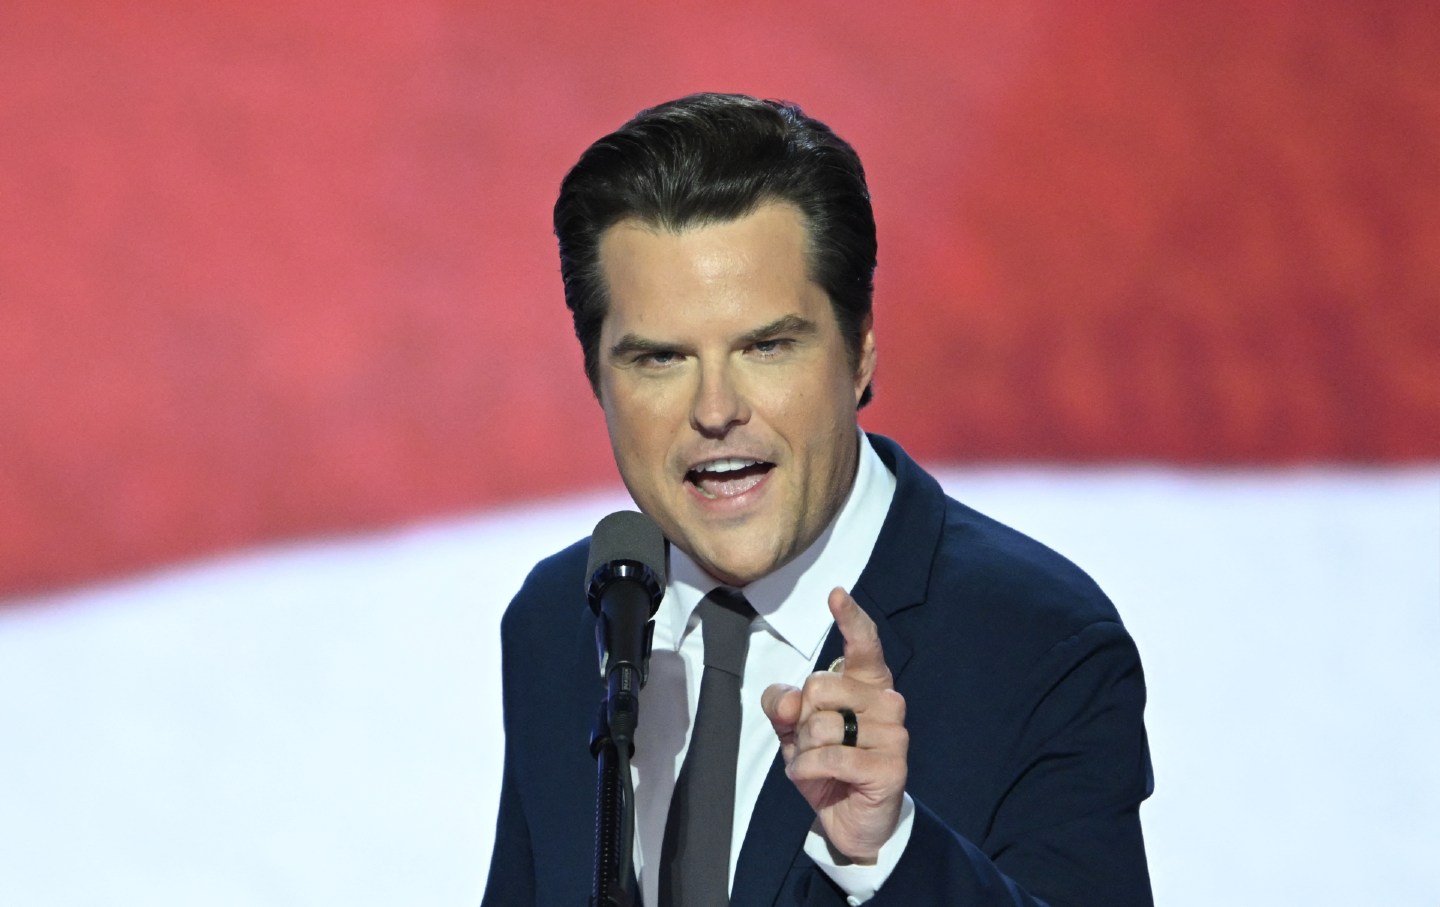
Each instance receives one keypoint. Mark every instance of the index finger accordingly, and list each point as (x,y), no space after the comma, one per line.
(864,658)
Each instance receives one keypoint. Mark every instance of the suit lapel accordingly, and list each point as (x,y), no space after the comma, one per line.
(775,836)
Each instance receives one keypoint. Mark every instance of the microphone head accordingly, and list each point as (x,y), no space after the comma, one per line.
(626,546)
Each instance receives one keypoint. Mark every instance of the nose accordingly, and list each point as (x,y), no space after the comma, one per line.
(719,403)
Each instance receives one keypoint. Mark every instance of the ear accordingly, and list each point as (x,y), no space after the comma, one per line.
(865,368)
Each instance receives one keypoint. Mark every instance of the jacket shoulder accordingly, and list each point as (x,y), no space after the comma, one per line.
(935,549)
(553,589)
(1017,574)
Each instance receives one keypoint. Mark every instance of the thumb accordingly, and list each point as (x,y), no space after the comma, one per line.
(781,704)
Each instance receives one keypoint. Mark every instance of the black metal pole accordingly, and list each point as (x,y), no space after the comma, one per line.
(609,887)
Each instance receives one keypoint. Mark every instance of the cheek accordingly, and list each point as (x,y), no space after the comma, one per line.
(638,434)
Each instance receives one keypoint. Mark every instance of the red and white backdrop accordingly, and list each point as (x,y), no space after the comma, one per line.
(290,401)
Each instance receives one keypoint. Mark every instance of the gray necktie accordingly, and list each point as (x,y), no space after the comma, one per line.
(695,857)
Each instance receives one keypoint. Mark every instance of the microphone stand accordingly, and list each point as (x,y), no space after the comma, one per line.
(624,590)
(614,803)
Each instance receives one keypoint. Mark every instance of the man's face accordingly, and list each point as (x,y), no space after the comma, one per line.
(727,388)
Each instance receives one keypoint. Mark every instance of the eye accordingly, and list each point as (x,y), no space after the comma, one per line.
(657,358)
(772,347)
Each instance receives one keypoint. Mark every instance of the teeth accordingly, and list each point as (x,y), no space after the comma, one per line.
(729,464)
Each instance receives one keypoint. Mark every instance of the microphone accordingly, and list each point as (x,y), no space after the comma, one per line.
(625,580)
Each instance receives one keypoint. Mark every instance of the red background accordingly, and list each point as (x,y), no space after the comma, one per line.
(272,269)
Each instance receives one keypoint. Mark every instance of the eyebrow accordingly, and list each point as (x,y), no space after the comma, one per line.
(632,344)
(786,324)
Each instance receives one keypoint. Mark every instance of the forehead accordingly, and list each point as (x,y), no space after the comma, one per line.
(758,261)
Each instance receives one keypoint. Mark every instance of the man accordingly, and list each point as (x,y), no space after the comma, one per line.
(982,740)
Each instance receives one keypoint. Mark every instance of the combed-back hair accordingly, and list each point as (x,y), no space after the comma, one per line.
(711,158)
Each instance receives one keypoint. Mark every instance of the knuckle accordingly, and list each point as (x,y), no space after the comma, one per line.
(896,702)
(890,738)
(889,705)
(867,640)
(814,684)
(809,735)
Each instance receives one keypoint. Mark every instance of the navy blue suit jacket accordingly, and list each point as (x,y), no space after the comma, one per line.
(1024,701)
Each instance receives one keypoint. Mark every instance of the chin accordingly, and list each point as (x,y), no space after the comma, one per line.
(740,569)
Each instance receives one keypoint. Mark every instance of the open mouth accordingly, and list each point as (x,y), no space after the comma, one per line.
(727,477)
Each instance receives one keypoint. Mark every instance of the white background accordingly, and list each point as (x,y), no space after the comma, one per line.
(319,725)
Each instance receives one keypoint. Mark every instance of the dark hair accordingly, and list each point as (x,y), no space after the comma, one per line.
(711,158)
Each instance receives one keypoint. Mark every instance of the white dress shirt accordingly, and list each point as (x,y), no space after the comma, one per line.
(784,644)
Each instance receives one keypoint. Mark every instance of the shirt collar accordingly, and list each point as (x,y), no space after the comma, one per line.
(792,599)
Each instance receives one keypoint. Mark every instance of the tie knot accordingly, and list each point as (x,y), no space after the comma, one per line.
(725,618)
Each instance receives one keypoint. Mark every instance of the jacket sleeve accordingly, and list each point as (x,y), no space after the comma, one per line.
(512,870)
(511,881)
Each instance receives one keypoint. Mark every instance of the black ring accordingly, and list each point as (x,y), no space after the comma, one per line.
(852,728)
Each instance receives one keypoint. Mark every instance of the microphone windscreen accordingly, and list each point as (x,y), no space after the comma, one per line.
(627,536)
